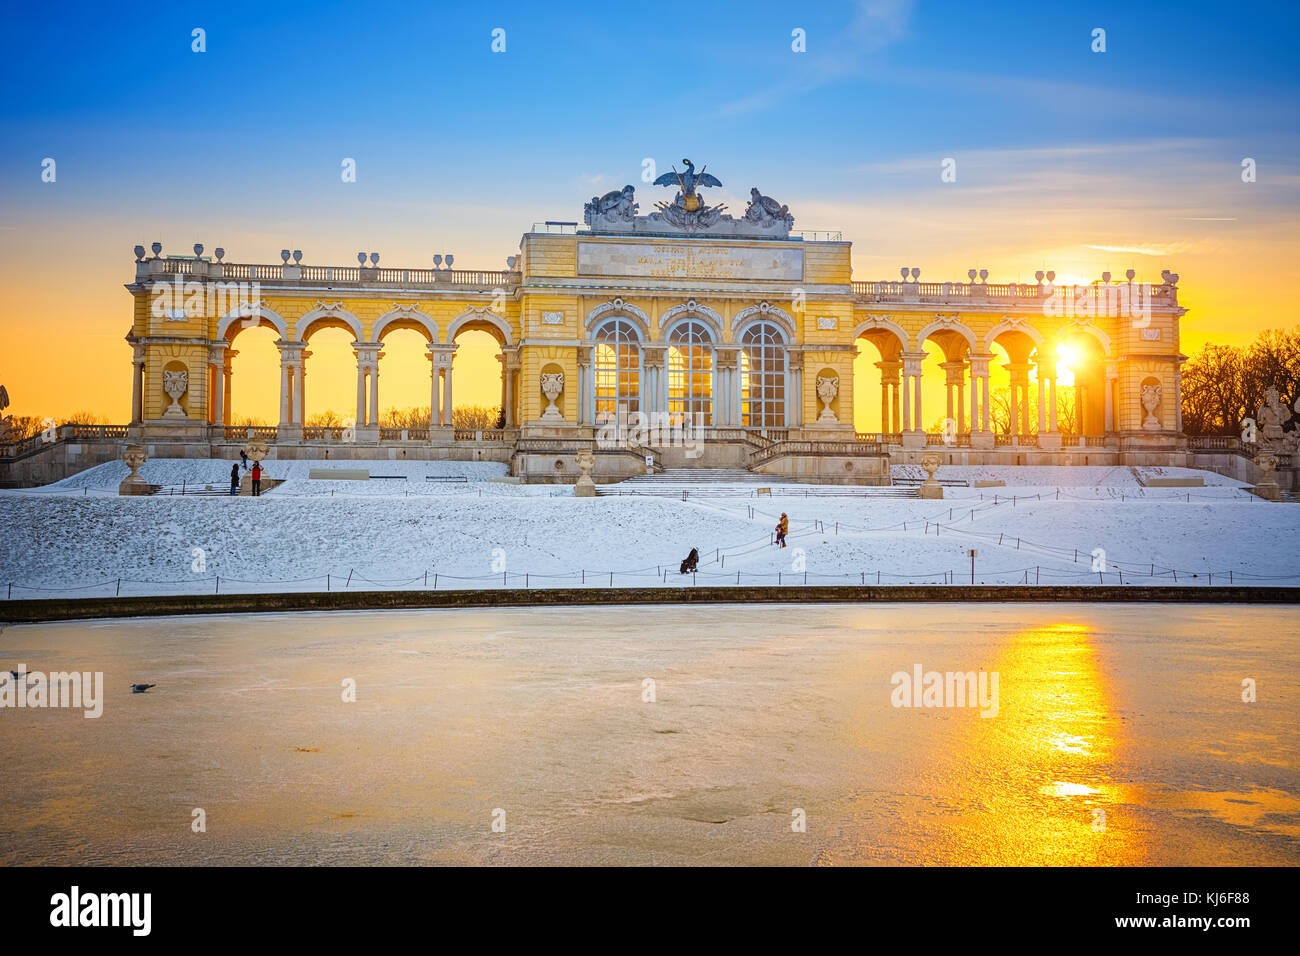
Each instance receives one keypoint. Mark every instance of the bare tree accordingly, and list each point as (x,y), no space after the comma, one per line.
(405,418)
(1222,385)
(475,417)
(326,419)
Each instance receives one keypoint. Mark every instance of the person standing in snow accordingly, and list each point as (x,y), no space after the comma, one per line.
(234,479)
(257,479)
(782,529)
(243,456)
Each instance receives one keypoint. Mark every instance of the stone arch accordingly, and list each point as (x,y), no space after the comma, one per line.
(328,316)
(692,310)
(947,323)
(1063,333)
(617,307)
(1012,323)
(483,318)
(235,318)
(764,311)
(405,318)
(881,323)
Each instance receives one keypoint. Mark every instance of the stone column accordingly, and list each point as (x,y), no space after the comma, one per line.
(284,392)
(983,406)
(1178,398)
(654,383)
(981,435)
(586,386)
(913,430)
(374,389)
(361,392)
(511,369)
(446,391)
(229,369)
(302,389)
(434,406)
(794,389)
(884,402)
(217,366)
(974,398)
(1112,374)
(726,410)
(1042,401)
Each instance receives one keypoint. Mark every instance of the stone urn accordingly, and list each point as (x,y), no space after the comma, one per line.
(827,388)
(1150,402)
(585,487)
(552,386)
(930,488)
(133,484)
(175,384)
(256,449)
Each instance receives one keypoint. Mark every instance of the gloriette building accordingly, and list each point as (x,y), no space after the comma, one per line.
(693,335)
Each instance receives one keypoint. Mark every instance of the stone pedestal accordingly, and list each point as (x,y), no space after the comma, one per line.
(914,439)
(585,487)
(930,488)
(1049,441)
(982,440)
(133,456)
(1268,490)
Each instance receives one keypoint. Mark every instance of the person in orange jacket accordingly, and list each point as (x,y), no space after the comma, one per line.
(782,529)
(257,478)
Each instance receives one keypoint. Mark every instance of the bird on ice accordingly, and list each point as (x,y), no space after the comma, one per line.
(141,688)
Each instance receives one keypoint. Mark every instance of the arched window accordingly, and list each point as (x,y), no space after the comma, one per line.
(762,377)
(617,366)
(690,373)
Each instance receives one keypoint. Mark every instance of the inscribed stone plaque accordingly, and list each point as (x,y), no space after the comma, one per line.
(682,261)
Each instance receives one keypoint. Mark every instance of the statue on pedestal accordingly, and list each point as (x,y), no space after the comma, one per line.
(585,487)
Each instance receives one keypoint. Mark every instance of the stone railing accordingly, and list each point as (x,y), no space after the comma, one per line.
(323,433)
(479,434)
(328,275)
(242,432)
(780,449)
(91,432)
(1009,293)
(1230,444)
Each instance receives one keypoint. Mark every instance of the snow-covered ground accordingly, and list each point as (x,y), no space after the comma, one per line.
(77,538)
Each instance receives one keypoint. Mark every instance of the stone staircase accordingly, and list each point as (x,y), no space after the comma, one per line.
(737,482)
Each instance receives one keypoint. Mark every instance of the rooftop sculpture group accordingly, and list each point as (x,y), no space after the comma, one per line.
(688,213)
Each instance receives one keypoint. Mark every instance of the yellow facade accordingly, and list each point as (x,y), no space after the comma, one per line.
(549,312)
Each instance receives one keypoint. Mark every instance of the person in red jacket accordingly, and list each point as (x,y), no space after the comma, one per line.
(257,479)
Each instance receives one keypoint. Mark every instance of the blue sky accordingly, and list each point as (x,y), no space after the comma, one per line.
(585,91)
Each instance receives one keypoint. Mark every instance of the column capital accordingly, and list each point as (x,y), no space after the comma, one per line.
(726,356)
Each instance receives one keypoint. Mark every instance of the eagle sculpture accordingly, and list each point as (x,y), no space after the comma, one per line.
(688,182)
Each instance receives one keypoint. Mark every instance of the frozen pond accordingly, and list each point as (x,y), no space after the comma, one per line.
(1121,737)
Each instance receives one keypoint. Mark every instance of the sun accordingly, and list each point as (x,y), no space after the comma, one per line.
(1067,359)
